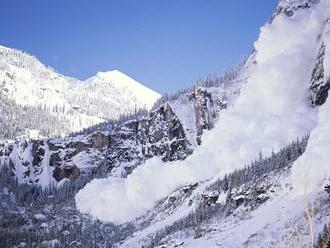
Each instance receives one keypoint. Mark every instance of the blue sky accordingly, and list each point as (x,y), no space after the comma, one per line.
(166,45)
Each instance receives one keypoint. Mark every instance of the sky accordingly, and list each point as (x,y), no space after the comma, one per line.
(166,45)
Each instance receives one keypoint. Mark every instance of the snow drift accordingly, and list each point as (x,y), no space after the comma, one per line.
(272,110)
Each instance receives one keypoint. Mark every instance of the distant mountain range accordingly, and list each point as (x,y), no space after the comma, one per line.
(65,104)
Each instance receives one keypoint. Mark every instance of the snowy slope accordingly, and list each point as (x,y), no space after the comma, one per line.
(273,109)
(226,193)
(81,103)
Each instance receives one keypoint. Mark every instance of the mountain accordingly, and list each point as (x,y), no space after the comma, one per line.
(171,131)
(75,104)
(234,161)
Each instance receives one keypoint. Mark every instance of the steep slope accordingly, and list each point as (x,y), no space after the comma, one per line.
(171,132)
(78,104)
(276,105)
(264,118)
(244,164)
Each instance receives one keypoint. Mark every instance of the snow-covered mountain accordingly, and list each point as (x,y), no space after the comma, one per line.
(171,131)
(242,162)
(77,104)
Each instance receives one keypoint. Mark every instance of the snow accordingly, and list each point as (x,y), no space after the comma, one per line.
(18,156)
(312,169)
(276,221)
(272,225)
(46,177)
(271,111)
(185,111)
(124,83)
(86,159)
(326,39)
(40,217)
(80,103)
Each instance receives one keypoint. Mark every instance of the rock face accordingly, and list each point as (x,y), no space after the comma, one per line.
(289,7)
(161,134)
(165,133)
(203,103)
(46,160)
(327,189)
(319,88)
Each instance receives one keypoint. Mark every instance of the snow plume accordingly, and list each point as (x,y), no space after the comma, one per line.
(312,168)
(271,111)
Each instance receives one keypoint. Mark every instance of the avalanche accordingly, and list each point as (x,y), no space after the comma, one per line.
(272,110)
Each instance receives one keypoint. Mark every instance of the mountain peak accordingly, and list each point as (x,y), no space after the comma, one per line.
(113,74)
(125,83)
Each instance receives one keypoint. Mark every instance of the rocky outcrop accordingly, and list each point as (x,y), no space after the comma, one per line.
(202,103)
(55,159)
(327,189)
(77,155)
(161,134)
(319,84)
(289,7)
(164,133)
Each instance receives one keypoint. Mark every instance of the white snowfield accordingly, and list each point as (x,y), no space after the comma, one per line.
(106,95)
(272,110)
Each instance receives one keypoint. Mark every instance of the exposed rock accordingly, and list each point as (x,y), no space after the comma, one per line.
(38,152)
(163,133)
(210,199)
(99,140)
(327,189)
(204,111)
(189,188)
(319,84)
(68,171)
(289,7)
(172,199)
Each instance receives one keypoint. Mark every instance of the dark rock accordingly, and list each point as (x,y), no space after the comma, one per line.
(128,145)
(239,200)
(327,189)
(66,172)
(210,199)
(261,199)
(38,152)
(319,85)
(189,188)
(161,134)
(288,8)
(99,140)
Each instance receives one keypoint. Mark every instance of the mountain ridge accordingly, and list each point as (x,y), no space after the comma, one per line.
(78,104)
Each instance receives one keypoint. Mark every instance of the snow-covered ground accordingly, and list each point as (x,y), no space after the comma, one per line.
(280,222)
